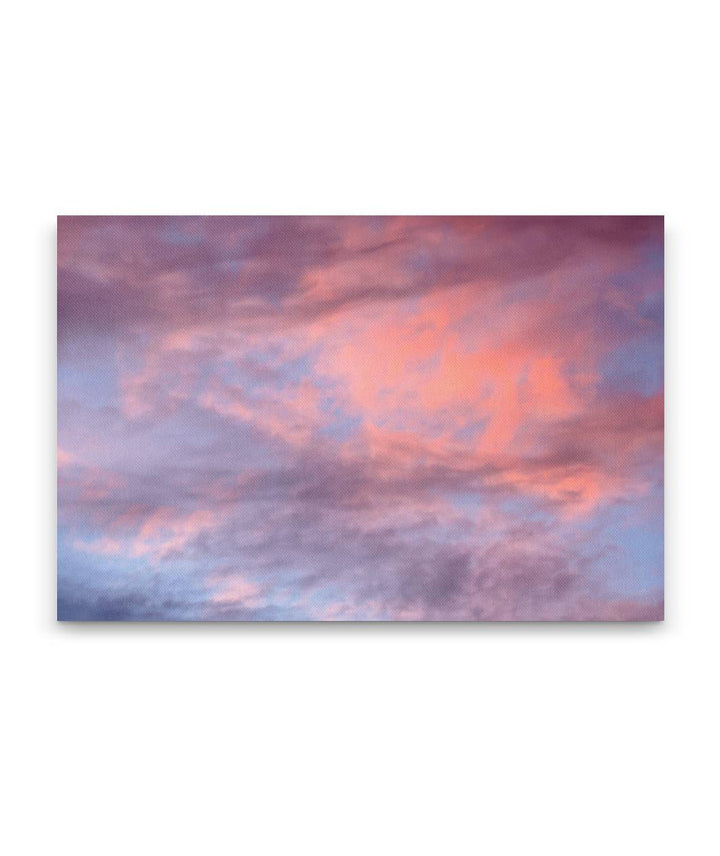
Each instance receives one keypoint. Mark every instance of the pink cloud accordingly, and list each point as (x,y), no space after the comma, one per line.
(371,417)
(234,590)
(167,531)
(64,458)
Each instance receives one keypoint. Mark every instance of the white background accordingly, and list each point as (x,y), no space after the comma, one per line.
(127,739)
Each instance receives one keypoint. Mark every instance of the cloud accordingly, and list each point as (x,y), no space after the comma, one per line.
(371,417)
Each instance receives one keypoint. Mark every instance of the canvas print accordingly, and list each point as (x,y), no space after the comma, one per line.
(360,418)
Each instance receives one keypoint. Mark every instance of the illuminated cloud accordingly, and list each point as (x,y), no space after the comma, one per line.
(360,418)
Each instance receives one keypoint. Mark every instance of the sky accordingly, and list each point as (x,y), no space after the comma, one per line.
(360,418)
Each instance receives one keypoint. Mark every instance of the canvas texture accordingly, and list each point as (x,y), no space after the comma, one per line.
(360,418)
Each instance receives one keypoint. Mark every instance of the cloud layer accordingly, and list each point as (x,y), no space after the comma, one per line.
(360,418)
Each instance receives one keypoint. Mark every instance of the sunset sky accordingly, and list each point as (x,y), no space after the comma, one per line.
(340,418)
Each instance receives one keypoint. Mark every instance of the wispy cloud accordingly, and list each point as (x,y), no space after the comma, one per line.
(360,418)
